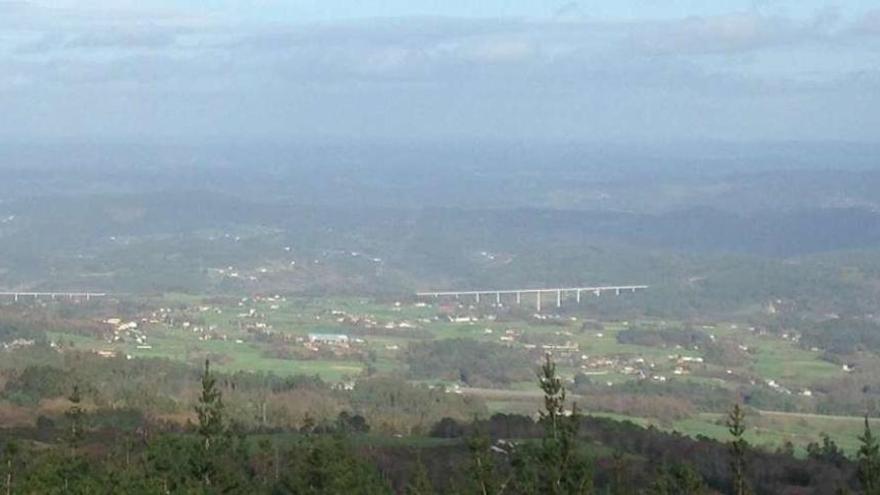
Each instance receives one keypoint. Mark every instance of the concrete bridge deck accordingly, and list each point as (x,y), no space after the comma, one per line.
(52,295)
(559,292)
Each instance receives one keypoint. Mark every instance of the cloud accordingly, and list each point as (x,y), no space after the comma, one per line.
(99,40)
(83,17)
(869,23)
(422,50)
(522,75)
(122,39)
(571,11)
(732,33)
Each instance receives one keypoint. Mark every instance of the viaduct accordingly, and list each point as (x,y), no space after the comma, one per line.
(560,293)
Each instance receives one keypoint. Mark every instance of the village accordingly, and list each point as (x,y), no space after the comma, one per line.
(347,338)
(259,331)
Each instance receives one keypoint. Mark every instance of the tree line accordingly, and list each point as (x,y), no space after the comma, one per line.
(216,455)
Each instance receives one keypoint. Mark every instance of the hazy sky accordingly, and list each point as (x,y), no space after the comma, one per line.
(406,69)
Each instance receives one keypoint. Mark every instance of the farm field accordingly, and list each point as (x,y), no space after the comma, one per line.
(768,429)
(283,336)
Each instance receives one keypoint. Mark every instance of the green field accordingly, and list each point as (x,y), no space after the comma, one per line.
(179,331)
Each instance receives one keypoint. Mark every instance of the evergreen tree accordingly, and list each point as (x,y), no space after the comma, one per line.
(679,479)
(327,465)
(828,451)
(869,461)
(170,461)
(74,467)
(557,466)
(566,470)
(738,446)
(74,415)
(482,469)
(265,462)
(211,428)
(554,398)
(210,409)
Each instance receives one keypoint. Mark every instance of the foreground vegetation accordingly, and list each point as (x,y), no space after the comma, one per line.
(678,375)
(551,456)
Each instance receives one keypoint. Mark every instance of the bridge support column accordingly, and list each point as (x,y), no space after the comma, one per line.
(498,299)
(478,298)
(578,296)
(558,298)
(538,300)
(518,298)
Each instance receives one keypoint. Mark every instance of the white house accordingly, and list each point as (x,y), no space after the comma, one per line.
(328,338)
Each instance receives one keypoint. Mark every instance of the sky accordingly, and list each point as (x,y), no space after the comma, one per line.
(622,71)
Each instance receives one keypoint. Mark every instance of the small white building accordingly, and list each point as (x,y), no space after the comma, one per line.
(328,338)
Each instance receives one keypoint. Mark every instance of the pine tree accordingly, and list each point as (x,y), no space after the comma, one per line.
(482,469)
(176,463)
(554,399)
(210,409)
(557,466)
(679,479)
(328,464)
(74,415)
(73,467)
(869,461)
(738,446)
(211,426)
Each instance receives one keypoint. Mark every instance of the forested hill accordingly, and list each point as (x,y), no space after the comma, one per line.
(699,258)
(389,219)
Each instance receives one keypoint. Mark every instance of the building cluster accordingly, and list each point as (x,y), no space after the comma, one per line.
(774,385)
(636,366)
(372,323)
(338,343)
(128,332)
(251,275)
(683,364)
(17,344)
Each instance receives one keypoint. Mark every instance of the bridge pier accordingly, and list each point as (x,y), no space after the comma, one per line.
(17,296)
(561,292)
